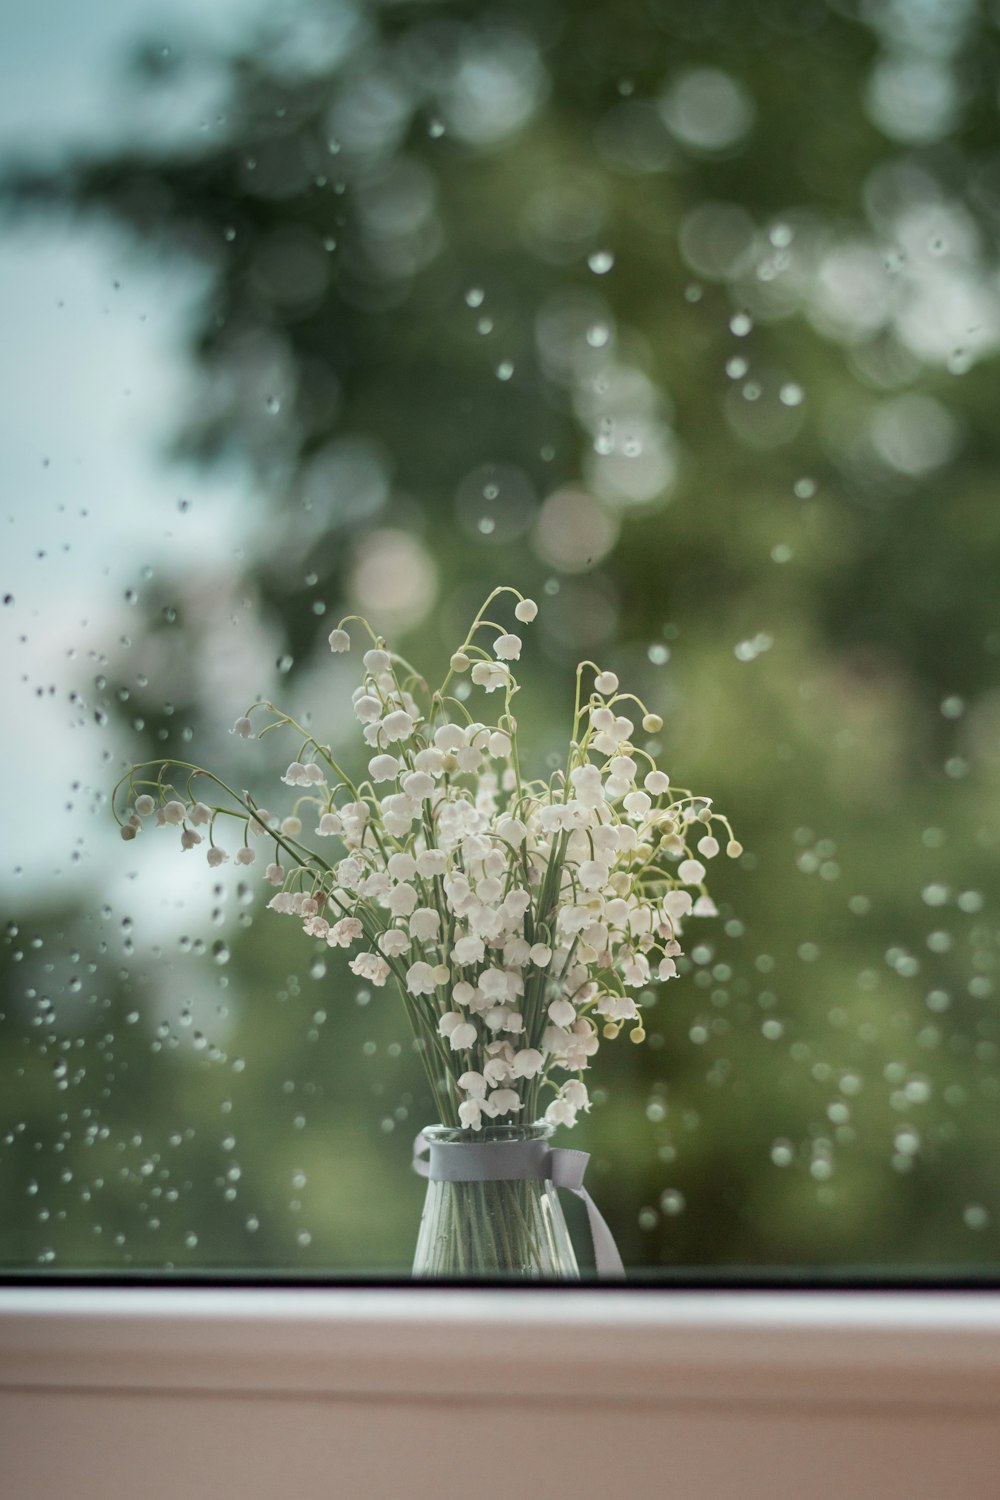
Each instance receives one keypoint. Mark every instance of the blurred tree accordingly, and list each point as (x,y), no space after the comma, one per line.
(684,317)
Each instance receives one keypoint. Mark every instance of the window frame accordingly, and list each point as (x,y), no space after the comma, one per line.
(731,1388)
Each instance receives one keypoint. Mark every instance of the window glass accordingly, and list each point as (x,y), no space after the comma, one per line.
(681,318)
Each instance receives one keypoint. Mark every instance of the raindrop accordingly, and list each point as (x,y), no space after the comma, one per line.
(740,324)
(273,405)
(804,489)
(975,1216)
(505,369)
(220,952)
(600,262)
(672,1202)
(658,654)
(791,394)
(474,296)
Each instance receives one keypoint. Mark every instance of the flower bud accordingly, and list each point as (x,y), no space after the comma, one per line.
(637,1035)
(611,1031)
(460,662)
(525,611)
(128,831)
(652,723)
(733,849)
(144,805)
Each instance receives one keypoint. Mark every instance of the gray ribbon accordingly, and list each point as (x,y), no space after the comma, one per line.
(520,1161)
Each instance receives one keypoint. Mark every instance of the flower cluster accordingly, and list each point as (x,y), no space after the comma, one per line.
(518,918)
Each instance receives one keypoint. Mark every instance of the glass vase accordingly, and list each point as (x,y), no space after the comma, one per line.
(496,1229)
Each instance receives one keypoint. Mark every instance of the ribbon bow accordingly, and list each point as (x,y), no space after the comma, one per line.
(519,1161)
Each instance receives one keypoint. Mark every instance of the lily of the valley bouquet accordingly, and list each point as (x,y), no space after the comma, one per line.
(519,919)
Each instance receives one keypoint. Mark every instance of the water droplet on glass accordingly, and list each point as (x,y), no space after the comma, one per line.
(740,324)
(505,369)
(791,394)
(474,296)
(220,952)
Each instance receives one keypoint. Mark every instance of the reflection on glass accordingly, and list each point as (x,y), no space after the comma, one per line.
(685,320)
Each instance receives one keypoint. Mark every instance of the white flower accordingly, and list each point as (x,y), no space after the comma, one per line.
(541,955)
(656,782)
(708,847)
(575,1094)
(606,682)
(637,805)
(462,1037)
(401,865)
(217,856)
(677,904)
(460,662)
(493,983)
(470,1113)
(398,814)
(144,805)
(376,660)
(291,827)
(369,966)
(691,871)
(368,709)
(450,736)
(330,824)
(560,1112)
(429,759)
(425,924)
(525,610)
(417,784)
(667,969)
(507,647)
(383,768)
(401,899)
(339,640)
(593,875)
(243,728)
(345,932)
(244,856)
(527,1063)
(562,1012)
(398,725)
(587,785)
(474,1084)
(431,862)
(489,675)
(394,942)
(173,812)
(421,979)
(704,907)
(499,744)
(505,1101)
(468,950)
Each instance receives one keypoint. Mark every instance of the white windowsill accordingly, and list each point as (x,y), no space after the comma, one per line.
(221,1392)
